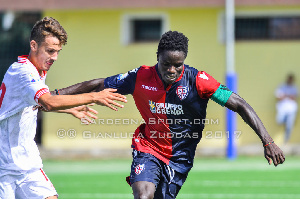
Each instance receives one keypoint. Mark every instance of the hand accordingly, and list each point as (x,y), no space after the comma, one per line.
(83,113)
(106,97)
(274,153)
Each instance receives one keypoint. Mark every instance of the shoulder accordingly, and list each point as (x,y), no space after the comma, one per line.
(146,70)
(188,70)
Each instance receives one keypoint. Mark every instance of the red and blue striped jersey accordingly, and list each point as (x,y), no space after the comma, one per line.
(173,116)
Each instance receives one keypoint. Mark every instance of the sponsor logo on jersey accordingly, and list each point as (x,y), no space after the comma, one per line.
(134,70)
(152,106)
(203,76)
(150,88)
(139,168)
(122,76)
(182,92)
(32,78)
(165,108)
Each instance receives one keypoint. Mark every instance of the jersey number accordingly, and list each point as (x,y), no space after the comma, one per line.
(2,93)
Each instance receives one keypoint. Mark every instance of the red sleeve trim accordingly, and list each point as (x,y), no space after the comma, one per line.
(22,59)
(39,93)
(206,85)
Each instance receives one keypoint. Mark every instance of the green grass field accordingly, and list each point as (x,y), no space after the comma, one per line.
(246,177)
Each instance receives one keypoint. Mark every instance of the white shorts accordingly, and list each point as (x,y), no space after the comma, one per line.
(33,184)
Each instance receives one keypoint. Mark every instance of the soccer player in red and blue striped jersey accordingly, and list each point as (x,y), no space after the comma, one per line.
(172,98)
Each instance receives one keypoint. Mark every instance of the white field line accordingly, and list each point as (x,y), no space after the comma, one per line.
(204,183)
(86,167)
(237,183)
(187,196)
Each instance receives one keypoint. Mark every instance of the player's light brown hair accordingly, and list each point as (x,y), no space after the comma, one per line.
(48,27)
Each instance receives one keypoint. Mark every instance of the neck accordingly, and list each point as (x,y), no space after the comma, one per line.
(32,59)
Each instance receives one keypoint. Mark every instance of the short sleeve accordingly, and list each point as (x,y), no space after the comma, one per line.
(125,83)
(32,87)
(206,85)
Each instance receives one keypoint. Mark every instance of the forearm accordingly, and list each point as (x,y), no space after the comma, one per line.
(94,85)
(62,102)
(239,105)
(107,97)
(252,119)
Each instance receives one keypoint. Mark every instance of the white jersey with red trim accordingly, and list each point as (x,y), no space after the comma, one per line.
(19,93)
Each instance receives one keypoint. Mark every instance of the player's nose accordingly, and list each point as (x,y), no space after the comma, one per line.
(171,69)
(54,56)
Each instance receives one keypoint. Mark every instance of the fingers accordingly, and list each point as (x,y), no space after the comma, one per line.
(110,103)
(115,104)
(40,108)
(86,120)
(110,90)
(89,109)
(269,160)
(275,162)
(120,97)
(280,158)
(115,96)
(108,98)
(91,115)
(35,107)
(111,107)
(275,154)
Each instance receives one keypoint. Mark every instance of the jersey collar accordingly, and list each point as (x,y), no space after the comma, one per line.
(24,59)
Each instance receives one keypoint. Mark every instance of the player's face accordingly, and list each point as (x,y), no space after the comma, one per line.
(170,65)
(46,53)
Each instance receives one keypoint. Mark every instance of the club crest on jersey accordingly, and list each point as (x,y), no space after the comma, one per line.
(139,168)
(182,92)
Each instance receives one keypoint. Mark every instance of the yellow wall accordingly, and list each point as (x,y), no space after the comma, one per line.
(94,50)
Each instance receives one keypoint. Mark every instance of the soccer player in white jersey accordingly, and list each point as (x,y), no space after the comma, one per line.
(23,88)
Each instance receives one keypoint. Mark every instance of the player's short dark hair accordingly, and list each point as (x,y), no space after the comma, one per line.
(173,41)
(48,27)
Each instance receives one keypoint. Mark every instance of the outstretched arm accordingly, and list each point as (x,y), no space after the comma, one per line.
(239,105)
(106,97)
(94,85)
(84,113)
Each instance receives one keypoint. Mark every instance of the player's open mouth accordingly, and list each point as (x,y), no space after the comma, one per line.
(49,63)
(170,77)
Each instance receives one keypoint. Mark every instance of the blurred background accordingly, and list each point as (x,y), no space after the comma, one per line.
(112,37)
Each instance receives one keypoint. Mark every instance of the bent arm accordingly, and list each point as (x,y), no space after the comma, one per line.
(271,150)
(94,85)
(239,105)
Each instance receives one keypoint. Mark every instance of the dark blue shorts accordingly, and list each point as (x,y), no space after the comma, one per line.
(146,167)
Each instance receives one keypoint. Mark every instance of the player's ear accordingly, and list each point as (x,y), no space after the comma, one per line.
(33,45)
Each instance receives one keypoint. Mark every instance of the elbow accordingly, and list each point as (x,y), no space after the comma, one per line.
(49,102)
(50,106)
